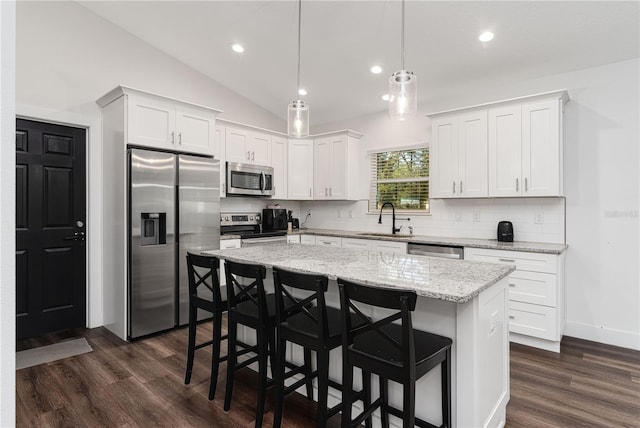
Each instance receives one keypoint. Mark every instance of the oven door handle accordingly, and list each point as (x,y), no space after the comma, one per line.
(264,240)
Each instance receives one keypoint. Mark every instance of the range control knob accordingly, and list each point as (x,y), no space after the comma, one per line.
(251,218)
(258,217)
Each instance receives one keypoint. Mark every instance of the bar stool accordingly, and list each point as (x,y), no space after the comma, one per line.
(392,351)
(204,293)
(249,305)
(304,318)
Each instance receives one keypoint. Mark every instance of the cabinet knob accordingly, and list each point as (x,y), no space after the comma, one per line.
(173,134)
(461,187)
(526,184)
(454,187)
(180,138)
(517,185)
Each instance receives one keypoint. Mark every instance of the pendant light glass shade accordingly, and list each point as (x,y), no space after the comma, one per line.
(403,95)
(403,87)
(298,111)
(298,119)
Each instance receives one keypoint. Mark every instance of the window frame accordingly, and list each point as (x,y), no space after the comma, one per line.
(373,180)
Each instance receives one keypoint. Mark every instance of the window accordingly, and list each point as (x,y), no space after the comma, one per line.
(400,177)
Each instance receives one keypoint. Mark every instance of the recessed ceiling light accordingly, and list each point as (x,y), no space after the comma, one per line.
(487,36)
(385,97)
(376,69)
(302,92)
(237,47)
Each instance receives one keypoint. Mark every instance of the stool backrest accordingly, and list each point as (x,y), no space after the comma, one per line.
(402,301)
(237,291)
(203,273)
(311,289)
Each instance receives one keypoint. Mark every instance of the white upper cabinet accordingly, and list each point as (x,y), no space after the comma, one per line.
(503,149)
(525,149)
(458,161)
(162,123)
(335,165)
(248,146)
(279,157)
(300,177)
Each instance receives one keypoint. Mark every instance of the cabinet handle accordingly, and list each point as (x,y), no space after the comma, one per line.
(173,134)
(507,260)
(326,192)
(253,155)
(248,155)
(454,187)
(512,317)
(517,185)
(180,138)
(511,285)
(330,191)
(526,184)
(461,187)
(309,191)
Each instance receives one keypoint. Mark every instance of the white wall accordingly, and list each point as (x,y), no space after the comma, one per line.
(7,215)
(601,183)
(67,57)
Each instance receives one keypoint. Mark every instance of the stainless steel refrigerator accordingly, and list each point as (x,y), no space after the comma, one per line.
(174,207)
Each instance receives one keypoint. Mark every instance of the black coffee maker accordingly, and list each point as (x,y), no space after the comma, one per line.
(505,231)
(274,219)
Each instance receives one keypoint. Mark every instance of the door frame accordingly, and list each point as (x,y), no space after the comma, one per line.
(93,206)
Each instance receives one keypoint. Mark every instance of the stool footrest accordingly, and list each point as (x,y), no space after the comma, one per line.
(203,344)
(419,422)
(366,413)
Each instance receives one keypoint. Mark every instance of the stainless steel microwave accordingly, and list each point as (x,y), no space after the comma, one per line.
(249,180)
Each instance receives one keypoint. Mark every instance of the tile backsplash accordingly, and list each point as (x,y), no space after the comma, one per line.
(534,219)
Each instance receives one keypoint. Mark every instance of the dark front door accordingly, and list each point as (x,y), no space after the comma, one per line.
(50,228)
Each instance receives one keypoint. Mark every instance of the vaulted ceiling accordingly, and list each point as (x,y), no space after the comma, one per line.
(341,40)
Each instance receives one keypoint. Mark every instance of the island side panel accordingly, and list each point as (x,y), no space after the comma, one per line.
(482,359)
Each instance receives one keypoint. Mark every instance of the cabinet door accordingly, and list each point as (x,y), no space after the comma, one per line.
(195,130)
(362,244)
(505,151)
(259,148)
(338,164)
(236,142)
(300,180)
(321,168)
(151,122)
(443,159)
(541,149)
(279,164)
(219,149)
(472,155)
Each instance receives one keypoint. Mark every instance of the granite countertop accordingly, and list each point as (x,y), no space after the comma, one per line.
(451,280)
(492,244)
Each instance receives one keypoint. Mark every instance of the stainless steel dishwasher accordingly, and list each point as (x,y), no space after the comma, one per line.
(435,250)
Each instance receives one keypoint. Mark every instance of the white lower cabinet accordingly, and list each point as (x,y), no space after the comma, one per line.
(537,314)
(293,239)
(225,244)
(308,239)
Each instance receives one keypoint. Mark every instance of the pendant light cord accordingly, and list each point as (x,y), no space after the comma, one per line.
(299,26)
(401,40)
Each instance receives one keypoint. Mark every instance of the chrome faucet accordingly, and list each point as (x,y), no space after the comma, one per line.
(393,218)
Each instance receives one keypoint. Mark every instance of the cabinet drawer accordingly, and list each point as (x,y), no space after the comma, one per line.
(363,244)
(229,243)
(535,262)
(331,241)
(293,239)
(389,247)
(533,320)
(308,239)
(533,287)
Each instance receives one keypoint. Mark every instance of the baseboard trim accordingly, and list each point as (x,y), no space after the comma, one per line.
(609,336)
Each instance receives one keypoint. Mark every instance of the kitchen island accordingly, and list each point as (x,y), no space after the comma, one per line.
(466,301)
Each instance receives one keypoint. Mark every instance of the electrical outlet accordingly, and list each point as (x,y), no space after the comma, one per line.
(538,218)
(476,216)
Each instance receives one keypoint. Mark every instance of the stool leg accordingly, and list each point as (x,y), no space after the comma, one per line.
(191,344)
(323,386)
(409,404)
(366,401)
(263,350)
(273,350)
(215,353)
(446,390)
(384,398)
(307,372)
(280,370)
(231,361)
(347,393)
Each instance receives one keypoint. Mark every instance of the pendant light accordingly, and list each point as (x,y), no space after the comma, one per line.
(298,111)
(403,87)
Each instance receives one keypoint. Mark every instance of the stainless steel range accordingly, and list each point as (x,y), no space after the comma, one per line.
(249,227)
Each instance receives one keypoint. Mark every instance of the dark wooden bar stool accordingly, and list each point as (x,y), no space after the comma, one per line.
(249,305)
(304,318)
(204,293)
(393,351)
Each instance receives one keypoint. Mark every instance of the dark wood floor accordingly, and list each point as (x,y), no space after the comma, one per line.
(141,384)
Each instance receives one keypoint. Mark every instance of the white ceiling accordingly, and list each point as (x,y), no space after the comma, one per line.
(342,39)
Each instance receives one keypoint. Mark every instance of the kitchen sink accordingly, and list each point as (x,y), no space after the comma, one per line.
(387,235)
